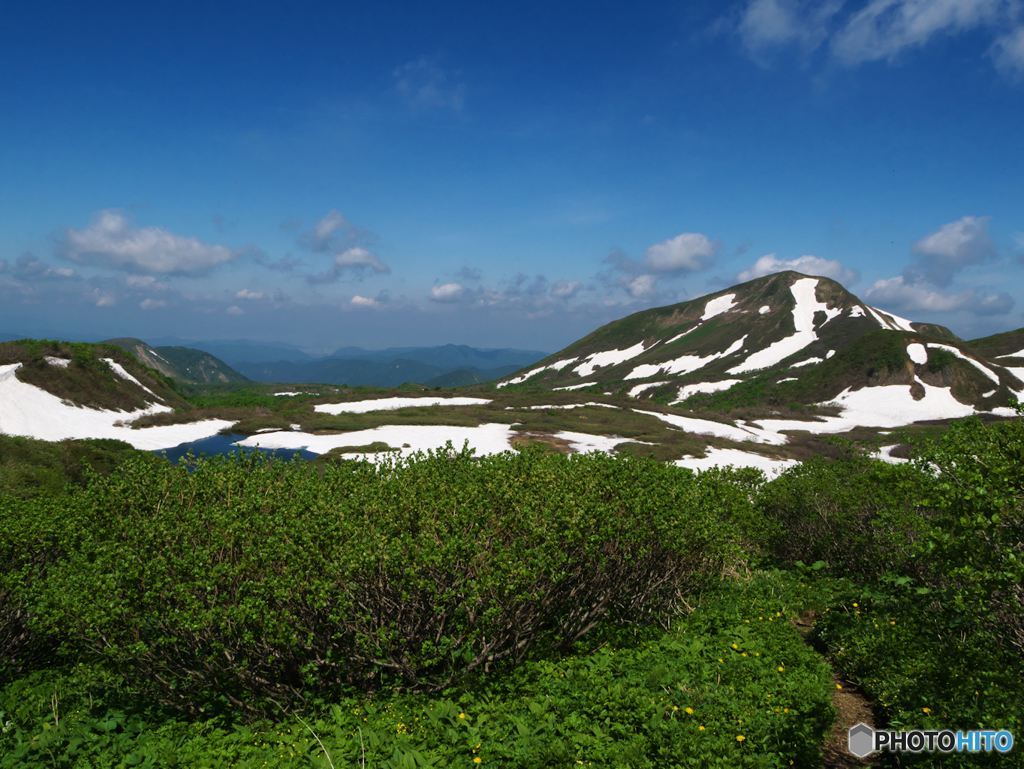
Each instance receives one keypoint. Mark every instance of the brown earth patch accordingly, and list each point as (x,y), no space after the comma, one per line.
(548,440)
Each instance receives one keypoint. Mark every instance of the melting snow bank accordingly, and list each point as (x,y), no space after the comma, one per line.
(722,457)
(717,429)
(32,412)
(390,404)
(486,439)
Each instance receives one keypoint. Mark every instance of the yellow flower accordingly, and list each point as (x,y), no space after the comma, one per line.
(477,760)
(927,710)
(734,646)
(740,738)
(785,710)
(781,668)
(720,659)
(855,606)
(462,715)
(838,686)
(744,654)
(892,623)
(700,728)
(690,711)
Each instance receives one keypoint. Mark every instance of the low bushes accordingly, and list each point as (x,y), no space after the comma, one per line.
(265,584)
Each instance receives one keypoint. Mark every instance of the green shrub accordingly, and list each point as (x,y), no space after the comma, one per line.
(264,583)
(862,517)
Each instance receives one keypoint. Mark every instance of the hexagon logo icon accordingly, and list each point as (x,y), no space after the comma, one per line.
(860,740)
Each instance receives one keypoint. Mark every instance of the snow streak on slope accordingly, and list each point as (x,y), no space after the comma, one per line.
(30,411)
(390,404)
(718,306)
(803,319)
(556,366)
(705,387)
(647,386)
(607,358)
(1018,354)
(986,371)
(62,362)
(717,429)
(683,365)
(890,321)
(120,371)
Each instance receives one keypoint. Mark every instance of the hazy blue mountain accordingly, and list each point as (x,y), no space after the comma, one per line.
(237,351)
(333,371)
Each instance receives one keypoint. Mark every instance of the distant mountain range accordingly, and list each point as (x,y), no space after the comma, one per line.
(785,338)
(447,365)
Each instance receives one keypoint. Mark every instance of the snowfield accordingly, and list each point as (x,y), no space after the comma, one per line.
(722,457)
(391,404)
(683,365)
(32,412)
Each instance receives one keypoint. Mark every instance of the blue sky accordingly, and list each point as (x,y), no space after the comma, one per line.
(501,175)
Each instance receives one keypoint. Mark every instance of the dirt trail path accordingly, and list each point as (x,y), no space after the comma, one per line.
(854,708)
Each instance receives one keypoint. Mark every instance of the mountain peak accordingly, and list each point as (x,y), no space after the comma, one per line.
(774,324)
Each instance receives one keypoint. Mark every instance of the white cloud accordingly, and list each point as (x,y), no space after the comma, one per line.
(885,28)
(104,299)
(149,304)
(1008,53)
(950,248)
(359,257)
(146,282)
(898,294)
(689,252)
(564,289)
(251,295)
(333,229)
(111,240)
(353,259)
(449,292)
(235,310)
(642,286)
(808,265)
(424,84)
(767,23)
(362,301)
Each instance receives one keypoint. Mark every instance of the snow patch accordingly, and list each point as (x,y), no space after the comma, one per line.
(787,379)
(607,358)
(885,454)
(807,362)
(989,394)
(917,353)
(1018,354)
(683,365)
(390,404)
(716,429)
(705,387)
(556,366)
(829,354)
(32,412)
(764,310)
(119,370)
(569,406)
(803,319)
(640,388)
(574,387)
(718,306)
(890,321)
(724,457)
(62,362)
(680,336)
(486,439)
(857,312)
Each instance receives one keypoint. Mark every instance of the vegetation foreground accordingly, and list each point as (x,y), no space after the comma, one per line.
(521,610)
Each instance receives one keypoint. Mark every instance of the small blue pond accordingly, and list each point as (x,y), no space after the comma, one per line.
(225,445)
